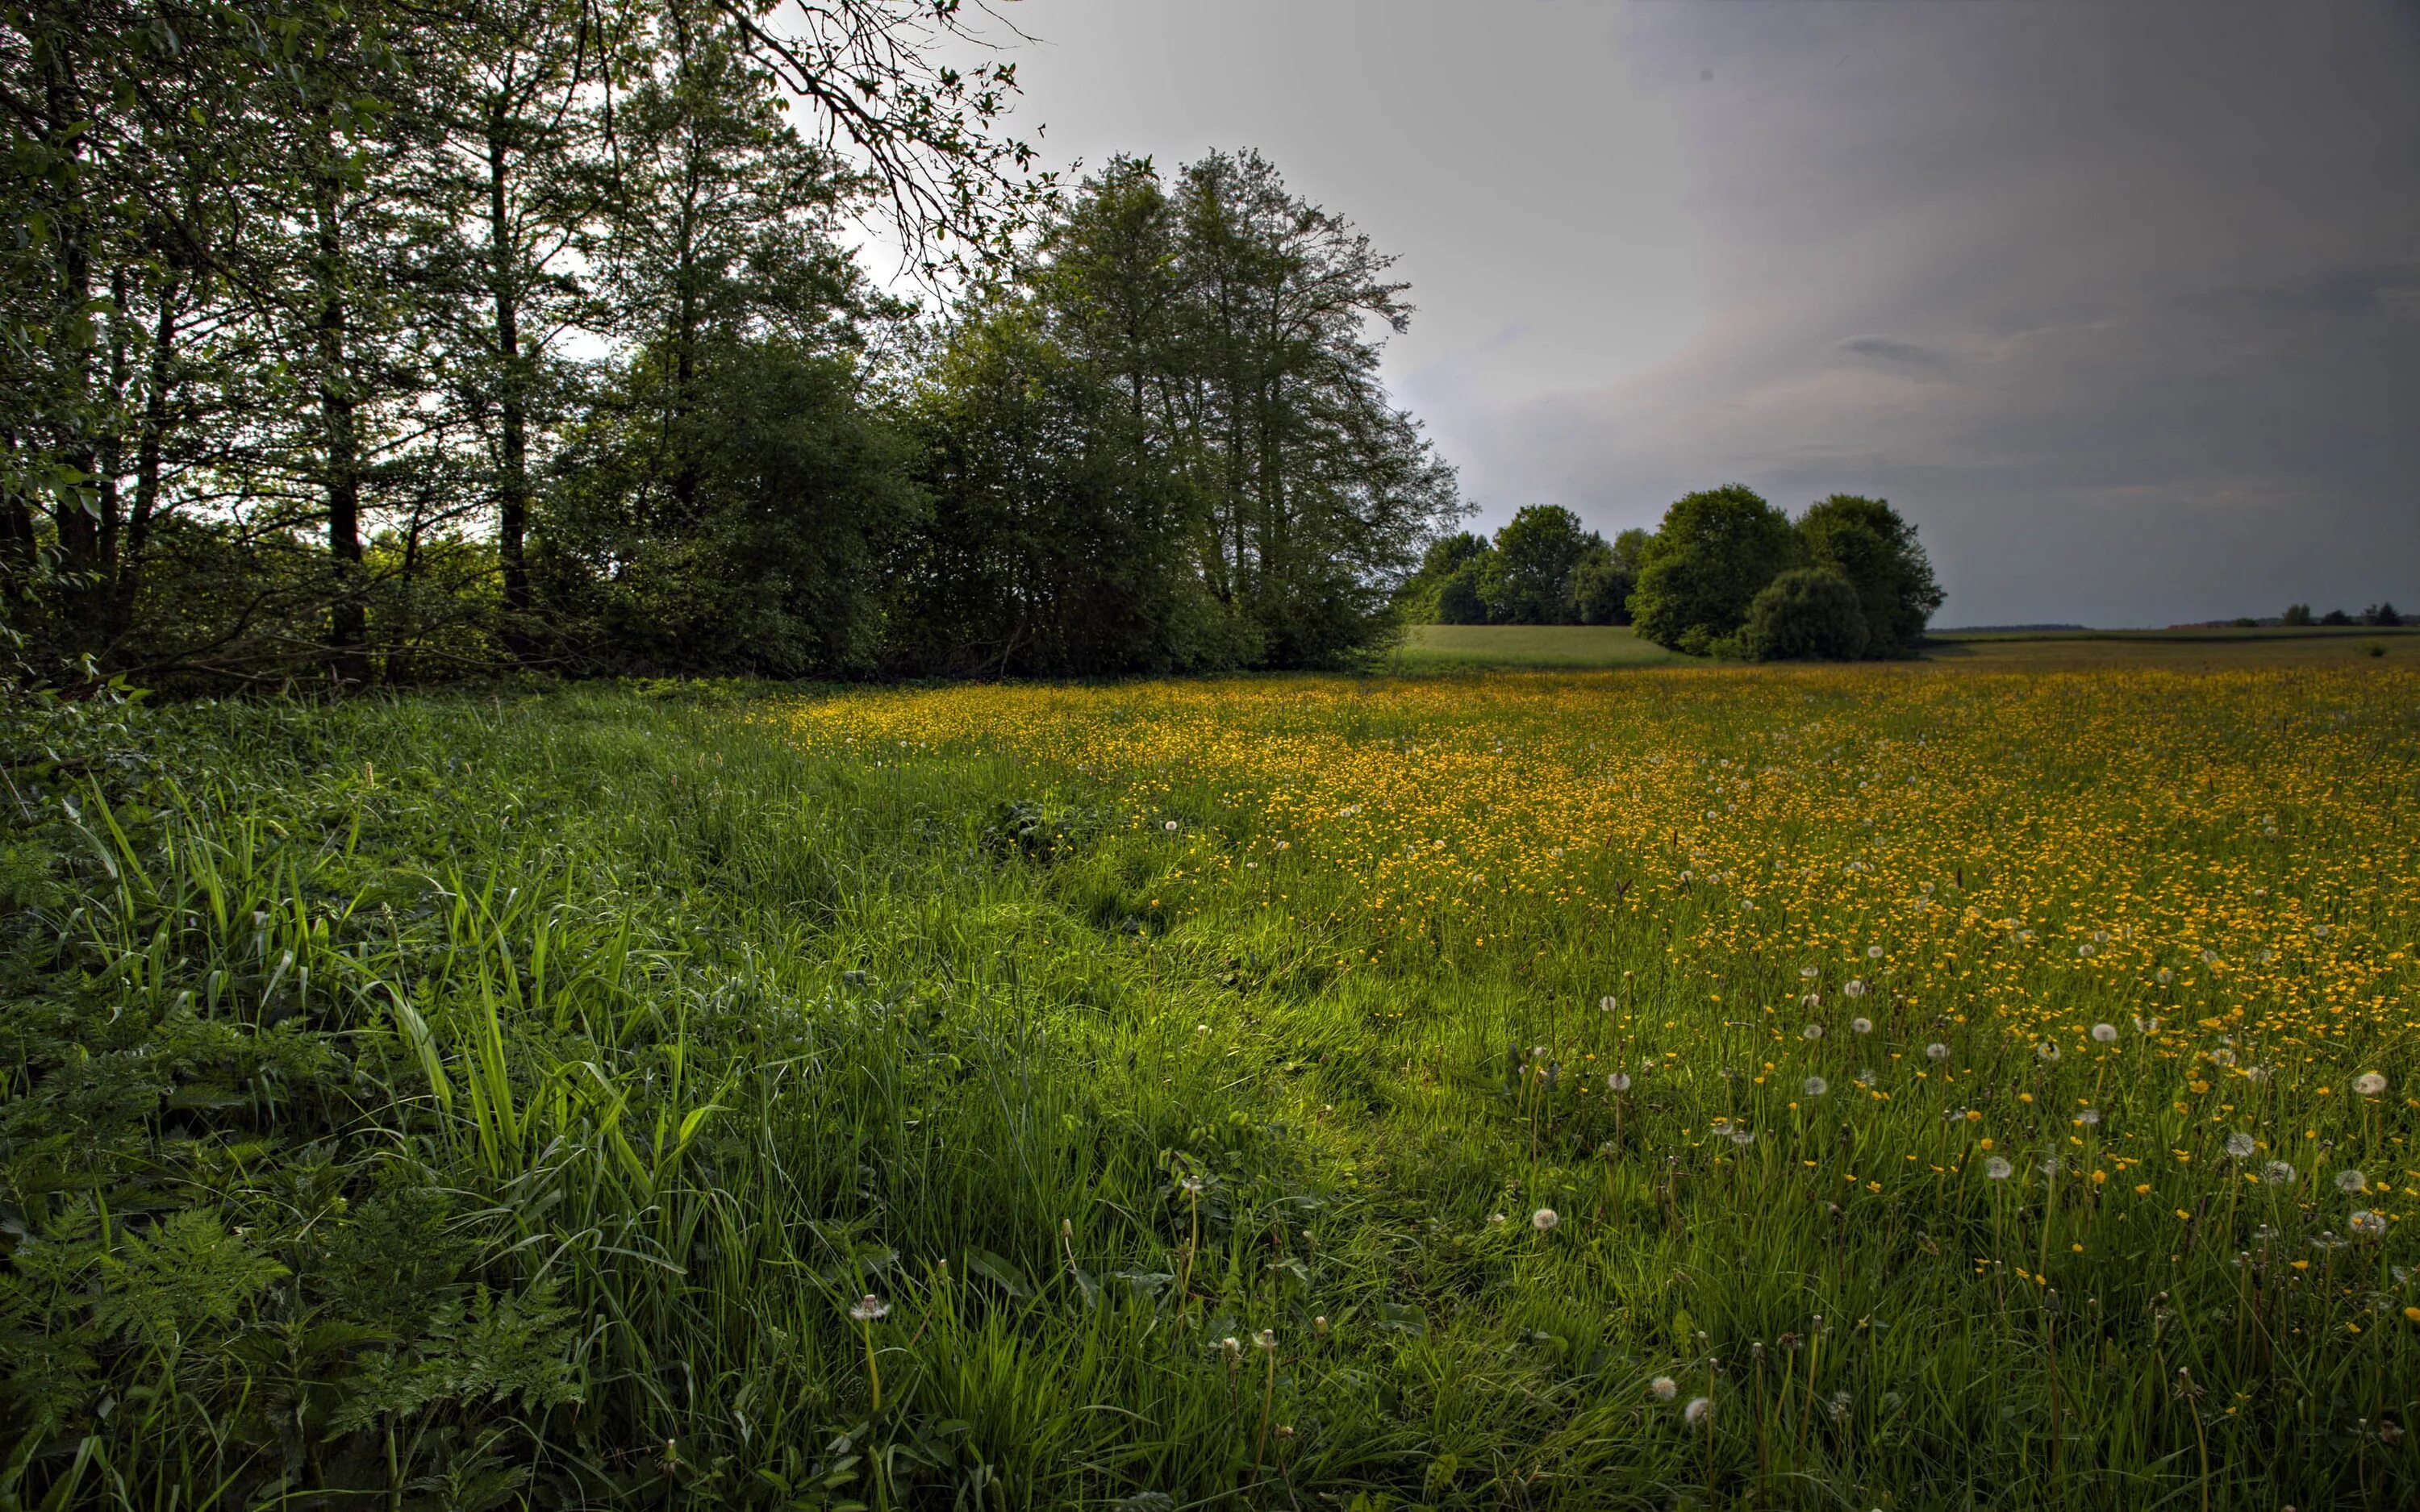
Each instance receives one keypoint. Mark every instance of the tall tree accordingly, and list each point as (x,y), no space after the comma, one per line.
(1869,544)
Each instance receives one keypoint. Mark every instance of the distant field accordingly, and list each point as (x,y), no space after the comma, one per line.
(1440,647)
(2182,650)
(1476,647)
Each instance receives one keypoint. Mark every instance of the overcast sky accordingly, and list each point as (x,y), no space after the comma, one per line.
(2119,303)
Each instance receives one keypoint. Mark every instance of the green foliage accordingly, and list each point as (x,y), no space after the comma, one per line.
(1714,552)
(2298,614)
(1530,579)
(1458,559)
(756,544)
(1865,542)
(1806,614)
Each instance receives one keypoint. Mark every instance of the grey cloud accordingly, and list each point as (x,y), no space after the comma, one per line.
(2120,303)
(1891,352)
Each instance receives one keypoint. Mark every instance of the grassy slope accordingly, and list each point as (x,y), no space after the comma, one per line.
(730,1031)
(1456,647)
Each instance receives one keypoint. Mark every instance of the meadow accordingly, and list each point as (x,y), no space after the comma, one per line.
(1958,1084)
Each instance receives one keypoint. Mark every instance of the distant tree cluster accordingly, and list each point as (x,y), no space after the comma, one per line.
(2382,614)
(1543,568)
(1728,574)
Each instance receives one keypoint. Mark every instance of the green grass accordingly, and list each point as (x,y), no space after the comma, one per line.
(1461,647)
(504,1101)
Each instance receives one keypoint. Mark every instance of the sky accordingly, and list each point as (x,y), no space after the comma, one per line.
(2119,303)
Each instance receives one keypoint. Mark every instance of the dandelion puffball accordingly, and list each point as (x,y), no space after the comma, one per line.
(1616,1081)
(1854,987)
(1874,952)
(2351,1181)
(1812,1031)
(1699,1410)
(870,1308)
(1663,1388)
(2105,1033)
(2369,1084)
(1937,1051)
(2241,1145)
(1815,1087)
(2367,1223)
(2046,1050)
(2279,1173)
(1544,1219)
(1169,827)
(1998,1169)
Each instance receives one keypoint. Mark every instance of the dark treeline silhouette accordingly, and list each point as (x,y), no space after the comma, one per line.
(369,342)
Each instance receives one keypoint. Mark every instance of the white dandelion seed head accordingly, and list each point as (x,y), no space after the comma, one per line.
(1937,1051)
(1812,1031)
(1809,973)
(2351,1180)
(1265,1339)
(2047,1050)
(1663,1388)
(2105,1033)
(2278,1173)
(1854,987)
(2164,976)
(1998,1169)
(2369,1084)
(1170,825)
(1544,1219)
(1741,1137)
(2319,932)
(2367,1225)
(1606,1003)
(870,1308)
(2085,949)
(1616,1081)
(2241,1145)
(1874,952)
(2089,1117)
(1699,1410)
(1814,1086)
(1861,1026)
(2210,958)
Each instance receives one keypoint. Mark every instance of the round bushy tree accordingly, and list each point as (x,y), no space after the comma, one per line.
(1715,550)
(1530,579)
(1806,614)
(1866,541)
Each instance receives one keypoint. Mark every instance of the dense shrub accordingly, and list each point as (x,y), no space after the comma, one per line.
(1806,614)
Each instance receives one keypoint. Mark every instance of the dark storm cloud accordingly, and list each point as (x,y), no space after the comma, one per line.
(2121,303)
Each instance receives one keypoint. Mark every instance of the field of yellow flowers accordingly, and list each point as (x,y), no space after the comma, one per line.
(1955,1084)
(1964,1055)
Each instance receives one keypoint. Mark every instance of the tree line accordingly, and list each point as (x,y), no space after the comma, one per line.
(1726,573)
(377,341)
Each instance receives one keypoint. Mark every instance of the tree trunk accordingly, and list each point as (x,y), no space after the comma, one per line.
(340,444)
(512,485)
(73,513)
